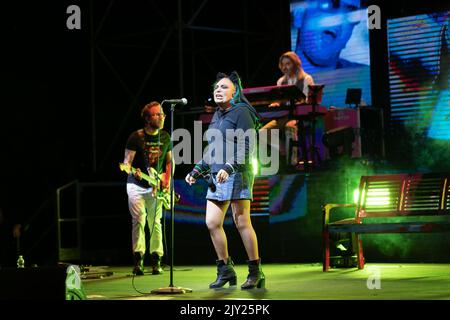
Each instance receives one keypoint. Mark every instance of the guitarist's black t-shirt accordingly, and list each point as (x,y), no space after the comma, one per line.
(150,152)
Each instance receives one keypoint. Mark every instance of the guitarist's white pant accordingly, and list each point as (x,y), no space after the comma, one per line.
(144,207)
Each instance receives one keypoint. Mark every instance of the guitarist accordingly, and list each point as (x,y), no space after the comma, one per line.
(147,148)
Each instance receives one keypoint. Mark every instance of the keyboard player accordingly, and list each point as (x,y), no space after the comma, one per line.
(293,74)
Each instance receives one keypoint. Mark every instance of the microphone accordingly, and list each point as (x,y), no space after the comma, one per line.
(209,179)
(182,101)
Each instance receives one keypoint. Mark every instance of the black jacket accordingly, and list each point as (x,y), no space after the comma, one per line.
(231,145)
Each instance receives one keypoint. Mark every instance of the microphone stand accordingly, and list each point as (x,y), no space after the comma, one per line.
(171,289)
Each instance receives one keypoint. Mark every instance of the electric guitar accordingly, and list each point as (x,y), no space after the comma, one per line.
(153,179)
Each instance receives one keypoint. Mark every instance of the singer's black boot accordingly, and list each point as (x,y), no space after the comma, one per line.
(138,264)
(225,273)
(156,264)
(255,278)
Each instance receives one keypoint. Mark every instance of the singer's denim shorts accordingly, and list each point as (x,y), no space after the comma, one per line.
(239,186)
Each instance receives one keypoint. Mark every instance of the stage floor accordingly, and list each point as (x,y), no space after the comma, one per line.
(389,281)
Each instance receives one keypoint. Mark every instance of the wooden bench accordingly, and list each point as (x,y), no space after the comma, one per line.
(388,196)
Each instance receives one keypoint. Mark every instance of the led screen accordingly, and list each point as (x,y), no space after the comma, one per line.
(418,73)
(332,40)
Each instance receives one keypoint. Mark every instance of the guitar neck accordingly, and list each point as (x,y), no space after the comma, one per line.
(151,179)
(145,176)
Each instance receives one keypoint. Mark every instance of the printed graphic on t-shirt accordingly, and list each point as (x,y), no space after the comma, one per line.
(153,151)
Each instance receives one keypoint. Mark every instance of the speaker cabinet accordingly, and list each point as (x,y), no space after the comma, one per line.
(367,126)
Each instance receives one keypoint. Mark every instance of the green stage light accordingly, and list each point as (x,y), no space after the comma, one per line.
(255,166)
(379,197)
(355,195)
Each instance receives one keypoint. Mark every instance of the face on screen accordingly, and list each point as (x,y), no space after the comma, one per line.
(326,28)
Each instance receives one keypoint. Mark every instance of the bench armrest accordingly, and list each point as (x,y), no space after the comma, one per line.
(326,209)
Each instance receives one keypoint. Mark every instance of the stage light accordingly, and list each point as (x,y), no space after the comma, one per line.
(375,198)
(355,195)
(379,197)
(255,166)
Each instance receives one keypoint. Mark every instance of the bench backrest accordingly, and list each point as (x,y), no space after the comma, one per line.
(404,195)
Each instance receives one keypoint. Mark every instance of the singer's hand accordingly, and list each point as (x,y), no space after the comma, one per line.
(222,176)
(189,179)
